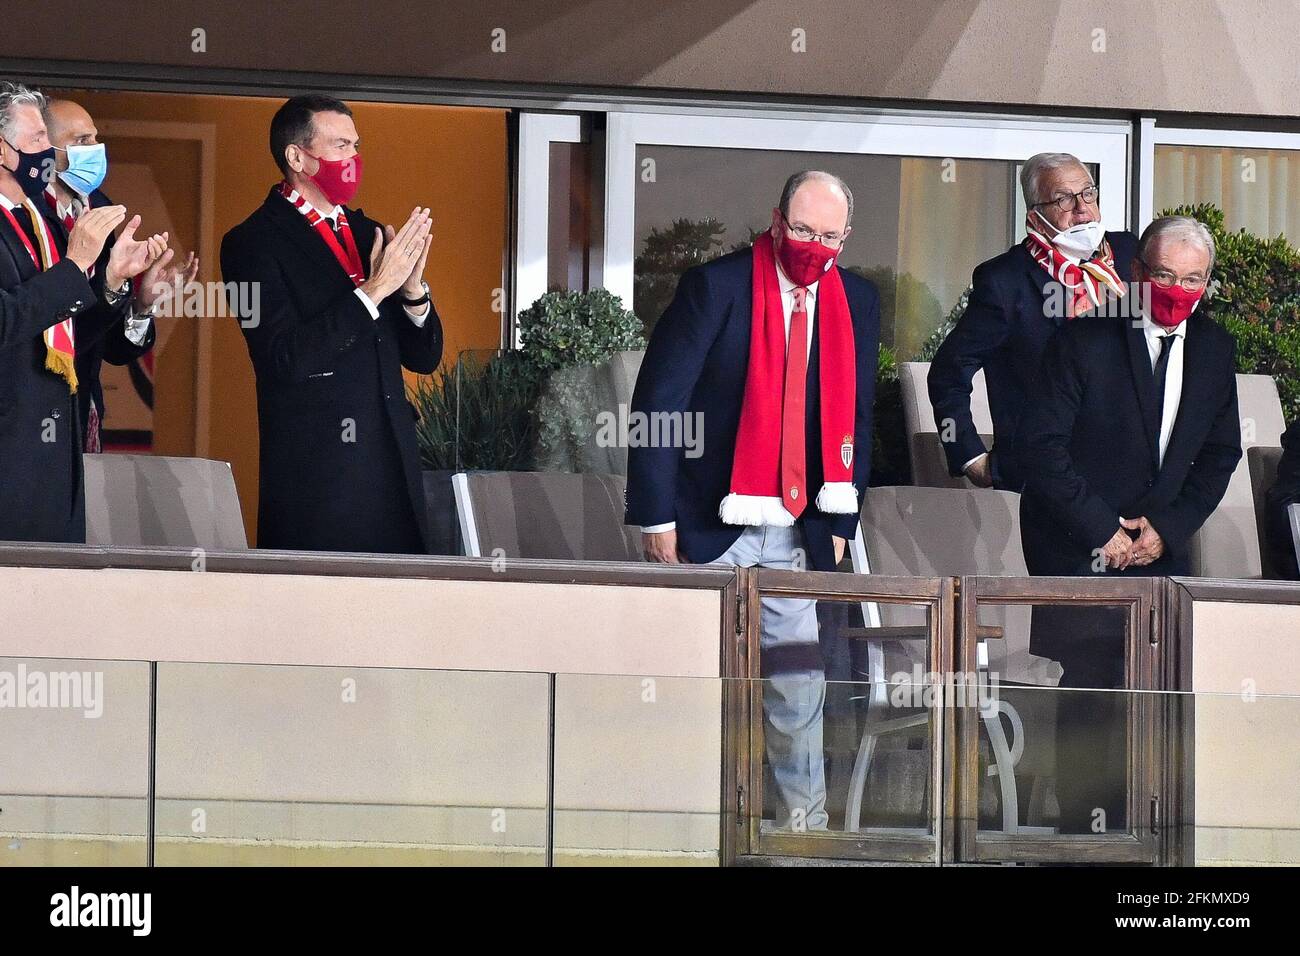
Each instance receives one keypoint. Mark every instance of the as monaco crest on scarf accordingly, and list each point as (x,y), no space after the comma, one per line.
(846,451)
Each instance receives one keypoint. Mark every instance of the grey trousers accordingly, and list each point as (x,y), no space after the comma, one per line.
(794,683)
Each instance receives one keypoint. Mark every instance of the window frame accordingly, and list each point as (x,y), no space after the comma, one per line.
(1151,134)
(892,133)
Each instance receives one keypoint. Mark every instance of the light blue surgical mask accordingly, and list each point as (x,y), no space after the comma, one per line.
(87,167)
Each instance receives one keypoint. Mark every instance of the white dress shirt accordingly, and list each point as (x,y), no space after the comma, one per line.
(787,286)
(417,316)
(1173,373)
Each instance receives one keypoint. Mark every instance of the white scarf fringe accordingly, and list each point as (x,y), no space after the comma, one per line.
(754,510)
(835,497)
(838,498)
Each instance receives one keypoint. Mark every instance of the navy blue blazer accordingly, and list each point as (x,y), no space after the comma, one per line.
(1003,330)
(1089,443)
(696,362)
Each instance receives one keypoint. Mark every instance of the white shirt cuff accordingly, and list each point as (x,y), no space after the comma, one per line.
(966,467)
(417,318)
(370,306)
(659,528)
(137,327)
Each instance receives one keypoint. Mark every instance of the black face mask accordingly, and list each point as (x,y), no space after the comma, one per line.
(35,170)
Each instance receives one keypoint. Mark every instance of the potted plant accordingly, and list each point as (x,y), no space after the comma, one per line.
(527,408)
(586,349)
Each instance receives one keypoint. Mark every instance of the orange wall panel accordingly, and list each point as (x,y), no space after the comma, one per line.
(452,159)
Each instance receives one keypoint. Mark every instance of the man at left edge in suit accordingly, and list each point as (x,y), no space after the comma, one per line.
(46,303)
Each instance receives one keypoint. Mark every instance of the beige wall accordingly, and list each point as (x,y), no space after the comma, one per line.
(397,737)
(1210,56)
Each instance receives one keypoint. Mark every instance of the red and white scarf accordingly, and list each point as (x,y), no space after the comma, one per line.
(1084,282)
(755,493)
(60,339)
(346,253)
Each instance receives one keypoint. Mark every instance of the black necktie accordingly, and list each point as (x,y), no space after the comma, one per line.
(24,219)
(1162,373)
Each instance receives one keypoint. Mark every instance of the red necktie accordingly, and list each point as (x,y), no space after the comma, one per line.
(794,484)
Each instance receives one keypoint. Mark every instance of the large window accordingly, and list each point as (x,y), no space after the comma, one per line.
(920,225)
(1252,175)
(1257,189)
(934,196)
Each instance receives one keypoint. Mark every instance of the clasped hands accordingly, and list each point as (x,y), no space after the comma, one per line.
(1123,551)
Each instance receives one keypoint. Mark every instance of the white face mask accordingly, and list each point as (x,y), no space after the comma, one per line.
(1080,241)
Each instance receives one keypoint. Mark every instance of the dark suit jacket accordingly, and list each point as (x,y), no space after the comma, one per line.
(1284,492)
(1089,441)
(696,362)
(41,491)
(340,470)
(105,341)
(1007,322)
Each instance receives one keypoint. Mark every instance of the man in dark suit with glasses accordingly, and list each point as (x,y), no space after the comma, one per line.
(1067,265)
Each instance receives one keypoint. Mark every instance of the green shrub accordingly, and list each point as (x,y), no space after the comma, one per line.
(935,338)
(477,415)
(567,329)
(889,462)
(489,415)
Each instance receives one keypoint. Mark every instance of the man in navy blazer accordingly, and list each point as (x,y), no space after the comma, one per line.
(1016,304)
(696,366)
(1128,443)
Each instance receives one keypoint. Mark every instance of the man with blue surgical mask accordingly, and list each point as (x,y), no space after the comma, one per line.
(80,165)
(1067,266)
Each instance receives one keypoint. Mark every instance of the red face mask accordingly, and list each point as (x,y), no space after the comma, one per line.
(338,179)
(1171,307)
(805,262)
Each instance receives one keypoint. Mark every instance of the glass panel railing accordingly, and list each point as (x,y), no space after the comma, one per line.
(288,765)
(1076,742)
(1238,763)
(844,735)
(74,762)
(305,765)
(638,764)
(1068,767)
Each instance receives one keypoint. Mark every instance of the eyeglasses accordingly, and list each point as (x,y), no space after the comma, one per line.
(1165,279)
(804,234)
(1070,201)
